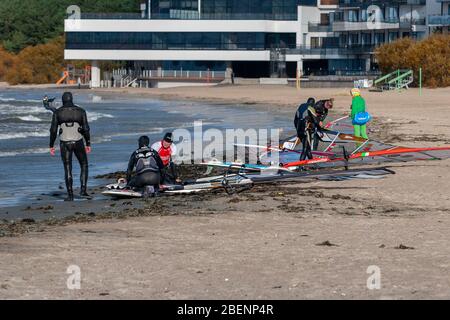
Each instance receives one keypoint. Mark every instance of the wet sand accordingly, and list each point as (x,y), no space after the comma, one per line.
(296,241)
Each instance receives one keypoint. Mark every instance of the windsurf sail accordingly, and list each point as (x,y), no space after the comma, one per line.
(395,154)
(343,125)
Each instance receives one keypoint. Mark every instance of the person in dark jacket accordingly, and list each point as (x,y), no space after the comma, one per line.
(306,130)
(70,122)
(148,165)
(48,103)
(322,108)
(302,112)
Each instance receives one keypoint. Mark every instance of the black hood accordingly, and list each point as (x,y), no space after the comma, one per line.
(144,141)
(67,99)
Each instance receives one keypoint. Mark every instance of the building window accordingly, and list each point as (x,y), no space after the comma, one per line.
(325,19)
(353,16)
(229,9)
(353,39)
(364,15)
(315,42)
(366,39)
(392,14)
(179,40)
(379,38)
(393,36)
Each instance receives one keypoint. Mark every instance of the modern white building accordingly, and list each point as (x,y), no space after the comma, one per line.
(251,38)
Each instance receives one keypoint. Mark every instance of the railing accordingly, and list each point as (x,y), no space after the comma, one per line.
(404,79)
(233,16)
(439,20)
(362,3)
(183,74)
(318,27)
(395,80)
(340,18)
(417,2)
(385,78)
(406,23)
(338,50)
(158,46)
(342,73)
(111,16)
(141,78)
(191,15)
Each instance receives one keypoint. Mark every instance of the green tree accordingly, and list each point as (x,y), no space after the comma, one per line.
(32,22)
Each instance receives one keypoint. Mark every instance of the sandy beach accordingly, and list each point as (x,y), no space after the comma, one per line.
(295,241)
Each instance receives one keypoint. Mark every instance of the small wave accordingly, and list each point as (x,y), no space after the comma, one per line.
(94,116)
(129,134)
(19,100)
(10,109)
(30,118)
(14,153)
(8,136)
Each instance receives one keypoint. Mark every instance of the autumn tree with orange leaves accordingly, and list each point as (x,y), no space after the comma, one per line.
(431,54)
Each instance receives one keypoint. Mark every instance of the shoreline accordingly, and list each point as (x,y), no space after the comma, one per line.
(288,241)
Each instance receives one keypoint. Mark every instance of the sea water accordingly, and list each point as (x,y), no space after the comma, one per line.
(27,170)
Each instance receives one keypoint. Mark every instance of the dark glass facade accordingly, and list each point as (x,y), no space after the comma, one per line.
(225,9)
(179,40)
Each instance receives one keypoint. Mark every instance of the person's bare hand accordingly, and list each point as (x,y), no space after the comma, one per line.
(52,152)
(88,150)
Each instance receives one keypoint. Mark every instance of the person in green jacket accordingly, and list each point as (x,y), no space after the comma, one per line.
(358,105)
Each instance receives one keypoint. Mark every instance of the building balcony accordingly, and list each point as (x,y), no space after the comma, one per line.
(339,26)
(191,15)
(319,27)
(111,16)
(416,2)
(364,3)
(386,24)
(439,21)
(333,50)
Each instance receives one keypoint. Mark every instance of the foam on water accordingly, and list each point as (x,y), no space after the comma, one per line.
(11,110)
(22,152)
(21,100)
(21,135)
(94,116)
(30,118)
(108,138)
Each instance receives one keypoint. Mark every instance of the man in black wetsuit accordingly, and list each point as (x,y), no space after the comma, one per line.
(73,127)
(148,166)
(321,107)
(306,130)
(302,112)
(48,103)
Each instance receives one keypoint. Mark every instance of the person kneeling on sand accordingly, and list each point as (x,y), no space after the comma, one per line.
(167,150)
(148,165)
